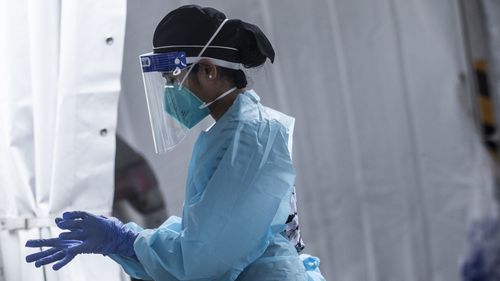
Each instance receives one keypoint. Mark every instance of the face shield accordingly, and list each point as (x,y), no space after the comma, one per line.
(173,109)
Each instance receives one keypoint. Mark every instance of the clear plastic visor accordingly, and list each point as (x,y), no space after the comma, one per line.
(161,72)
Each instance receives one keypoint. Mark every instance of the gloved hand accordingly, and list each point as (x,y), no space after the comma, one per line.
(62,250)
(482,261)
(87,234)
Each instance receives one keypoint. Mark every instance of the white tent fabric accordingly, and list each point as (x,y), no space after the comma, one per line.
(59,87)
(390,167)
(491,9)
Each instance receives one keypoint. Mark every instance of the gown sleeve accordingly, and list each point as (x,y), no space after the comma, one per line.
(229,224)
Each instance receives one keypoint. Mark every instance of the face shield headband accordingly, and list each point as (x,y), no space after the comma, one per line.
(173,109)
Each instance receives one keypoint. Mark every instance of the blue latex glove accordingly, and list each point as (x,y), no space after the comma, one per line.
(87,234)
(61,250)
(482,262)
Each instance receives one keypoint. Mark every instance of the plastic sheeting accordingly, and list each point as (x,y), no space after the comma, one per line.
(59,87)
(390,167)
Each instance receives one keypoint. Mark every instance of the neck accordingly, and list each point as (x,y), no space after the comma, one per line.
(221,106)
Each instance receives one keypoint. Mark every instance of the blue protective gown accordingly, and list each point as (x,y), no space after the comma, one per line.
(237,200)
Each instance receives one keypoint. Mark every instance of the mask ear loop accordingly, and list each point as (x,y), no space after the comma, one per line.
(205,105)
(201,53)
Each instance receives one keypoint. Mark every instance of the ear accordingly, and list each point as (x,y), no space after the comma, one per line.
(207,70)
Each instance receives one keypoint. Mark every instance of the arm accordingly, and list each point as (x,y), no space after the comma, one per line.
(89,234)
(132,266)
(229,224)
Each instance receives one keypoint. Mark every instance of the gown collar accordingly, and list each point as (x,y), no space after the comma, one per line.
(234,109)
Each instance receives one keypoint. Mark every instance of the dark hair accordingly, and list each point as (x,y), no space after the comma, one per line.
(189,28)
(253,46)
(237,76)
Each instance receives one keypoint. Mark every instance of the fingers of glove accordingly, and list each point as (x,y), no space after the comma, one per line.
(70,224)
(78,249)
(42,254)
(73,235)
(75,215)
(37,243)
(63,262)
(50,259)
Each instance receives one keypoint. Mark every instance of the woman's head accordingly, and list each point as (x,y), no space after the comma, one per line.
(196,69)
(218,66)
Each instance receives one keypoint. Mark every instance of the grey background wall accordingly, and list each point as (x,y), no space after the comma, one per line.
(390,168)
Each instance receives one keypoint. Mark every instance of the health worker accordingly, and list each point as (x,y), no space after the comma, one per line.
(239,217)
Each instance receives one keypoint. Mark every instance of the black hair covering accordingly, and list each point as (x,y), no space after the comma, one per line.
(188,28)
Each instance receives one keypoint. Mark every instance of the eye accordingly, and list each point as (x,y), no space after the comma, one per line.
(169,78)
